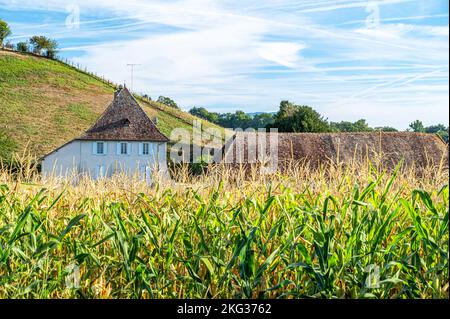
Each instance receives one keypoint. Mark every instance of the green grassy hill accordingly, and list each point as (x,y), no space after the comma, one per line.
(44,103)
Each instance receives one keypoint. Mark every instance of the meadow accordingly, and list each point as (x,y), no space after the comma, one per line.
(338,231)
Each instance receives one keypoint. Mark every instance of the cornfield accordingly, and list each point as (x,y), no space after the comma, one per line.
(338,231)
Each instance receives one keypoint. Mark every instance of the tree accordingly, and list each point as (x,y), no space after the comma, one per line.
(203,113)
(167,101)
(22,46)
(438,129)
(51,48)
(43,45)
(444,134)
(240,119)
(417,126)
(38,43)
(385,129)
(262,120)
(435,128)
(299,118)
(5,31)
(346,126)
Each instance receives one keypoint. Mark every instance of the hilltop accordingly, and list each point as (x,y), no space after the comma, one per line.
(44,103)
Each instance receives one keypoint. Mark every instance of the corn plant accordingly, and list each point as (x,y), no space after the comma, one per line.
(333,232)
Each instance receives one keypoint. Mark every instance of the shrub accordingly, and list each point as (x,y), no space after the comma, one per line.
(22,47)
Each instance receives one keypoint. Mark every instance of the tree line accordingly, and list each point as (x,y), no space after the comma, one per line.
(302,118)
(37,44)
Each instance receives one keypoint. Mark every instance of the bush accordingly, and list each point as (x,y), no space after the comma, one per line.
(22,47)
(167,101)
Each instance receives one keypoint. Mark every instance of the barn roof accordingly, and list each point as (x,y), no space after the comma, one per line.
(124,120)
(415,149)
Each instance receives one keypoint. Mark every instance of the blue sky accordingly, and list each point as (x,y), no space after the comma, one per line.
(385,61)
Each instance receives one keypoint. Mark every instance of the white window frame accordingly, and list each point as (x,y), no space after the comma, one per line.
(95,148)
(141,148)
(119,148)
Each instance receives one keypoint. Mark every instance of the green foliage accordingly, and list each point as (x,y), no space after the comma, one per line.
(385,129)
(5,31)
(440,129)
(346,126)
(167,101)
(436,128)
(43,45)
(203,113)
(22,46)
(172,244)
(417,126)
(198,167)
(239,119)
(299,118)
(262,120)
(295,118)
(444,135)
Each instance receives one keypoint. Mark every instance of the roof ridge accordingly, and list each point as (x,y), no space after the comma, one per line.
(145,114)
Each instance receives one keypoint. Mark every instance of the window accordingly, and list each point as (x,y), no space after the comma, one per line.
(145,149)
(123,148)
(100,148)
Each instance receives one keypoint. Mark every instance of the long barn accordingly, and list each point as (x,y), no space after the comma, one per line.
(387,148)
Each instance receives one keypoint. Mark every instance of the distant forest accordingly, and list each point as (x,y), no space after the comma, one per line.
(302,118)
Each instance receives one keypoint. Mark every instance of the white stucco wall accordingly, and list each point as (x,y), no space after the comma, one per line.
(78,157)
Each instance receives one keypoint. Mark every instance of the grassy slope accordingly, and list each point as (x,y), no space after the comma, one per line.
(44,103)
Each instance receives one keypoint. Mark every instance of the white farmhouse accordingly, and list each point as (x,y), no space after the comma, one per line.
(123,140)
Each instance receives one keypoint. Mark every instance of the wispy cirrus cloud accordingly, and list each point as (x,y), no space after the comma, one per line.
(229,55)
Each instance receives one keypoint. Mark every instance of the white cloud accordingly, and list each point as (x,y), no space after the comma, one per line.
(252,54)
(282,53)
(397,31)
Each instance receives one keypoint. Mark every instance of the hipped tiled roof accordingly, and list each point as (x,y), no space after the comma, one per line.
(124,120)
